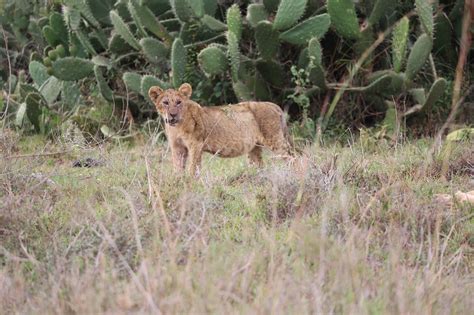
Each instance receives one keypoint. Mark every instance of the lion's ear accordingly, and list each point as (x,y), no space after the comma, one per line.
(185,90)
(154,92)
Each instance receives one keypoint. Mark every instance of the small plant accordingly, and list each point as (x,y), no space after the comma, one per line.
(306,128)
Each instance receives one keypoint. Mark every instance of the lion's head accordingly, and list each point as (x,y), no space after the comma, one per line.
(171,104)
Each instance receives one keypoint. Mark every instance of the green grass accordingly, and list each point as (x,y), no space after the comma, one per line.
(340,230)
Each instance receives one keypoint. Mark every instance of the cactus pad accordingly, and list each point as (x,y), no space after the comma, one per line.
(289,12)
(212,60)
(38,72)
(147,20)
(72,68)
(178,62)
(147,82)
(153,49)
(34,102)
(267,39)
(233,54)
(50,90)
(300,34)
(181,10)
(437,90)
(315,52)
(255,13)
(242,91)
(272,72)
(399,43)
(424,9)
(344,18)
(132,81)
(122,29)
(213,24)
(234,21)
(104,88)
(418,55)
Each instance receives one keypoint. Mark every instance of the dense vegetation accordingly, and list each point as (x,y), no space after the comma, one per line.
(331,63)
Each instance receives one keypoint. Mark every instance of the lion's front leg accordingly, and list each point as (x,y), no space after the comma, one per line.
(195,154)
(179,155)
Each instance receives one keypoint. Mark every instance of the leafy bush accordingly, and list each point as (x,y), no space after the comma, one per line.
(61,53)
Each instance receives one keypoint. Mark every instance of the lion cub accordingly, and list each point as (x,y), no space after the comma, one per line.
(226,131)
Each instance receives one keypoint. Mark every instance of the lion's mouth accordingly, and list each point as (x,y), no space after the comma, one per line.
(172,121)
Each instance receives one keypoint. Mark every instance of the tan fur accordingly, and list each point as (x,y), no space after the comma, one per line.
(226,131)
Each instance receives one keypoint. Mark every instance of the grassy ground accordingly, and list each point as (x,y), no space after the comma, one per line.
(341,230)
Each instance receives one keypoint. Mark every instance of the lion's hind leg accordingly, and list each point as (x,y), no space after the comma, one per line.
(279,145)
(255,156)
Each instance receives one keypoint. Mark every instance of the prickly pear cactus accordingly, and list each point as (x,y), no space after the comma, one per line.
(118,49)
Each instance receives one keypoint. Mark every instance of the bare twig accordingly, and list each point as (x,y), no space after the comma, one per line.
(33,155)
(5,39)
(457,100)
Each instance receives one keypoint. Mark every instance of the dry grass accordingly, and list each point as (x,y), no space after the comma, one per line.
(341,230)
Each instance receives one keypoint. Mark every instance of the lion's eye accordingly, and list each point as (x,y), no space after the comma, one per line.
(166,103)
(178,103)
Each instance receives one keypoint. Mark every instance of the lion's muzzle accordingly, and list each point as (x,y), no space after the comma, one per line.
(172,120)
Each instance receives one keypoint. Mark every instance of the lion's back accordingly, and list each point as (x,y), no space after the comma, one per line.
(231,130)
